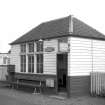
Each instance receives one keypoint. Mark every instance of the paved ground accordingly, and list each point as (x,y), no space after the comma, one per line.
(16,97)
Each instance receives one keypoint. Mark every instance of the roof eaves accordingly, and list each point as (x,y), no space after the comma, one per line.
(87,37)
(65,35)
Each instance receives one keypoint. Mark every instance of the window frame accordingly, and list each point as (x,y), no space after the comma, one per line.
(31,63)
(39,63)
(39,46)
(23,63)
(23,48)
(31,47)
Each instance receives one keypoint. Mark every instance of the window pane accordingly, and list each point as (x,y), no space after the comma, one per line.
(37,58)
(38,69)
(39,46)
(32,59)
(29,67)
(29,59)
(23,63)
(31,47)
(24,67)
(32,67)
(41,68)
(39,63)
(41,58)
(21,67)
(31,63)
(23,48)
(24,58)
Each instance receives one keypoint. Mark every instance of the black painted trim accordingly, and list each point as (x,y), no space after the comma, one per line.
(79,85)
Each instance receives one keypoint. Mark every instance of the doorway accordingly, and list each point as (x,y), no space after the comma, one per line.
(62,72)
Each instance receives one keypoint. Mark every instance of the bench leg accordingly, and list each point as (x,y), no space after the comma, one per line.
(35,91)
(40,90)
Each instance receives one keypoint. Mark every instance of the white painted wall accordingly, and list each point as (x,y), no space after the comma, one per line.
(49,63)
(2,56)
(50,57)
(1,60)
(79,58)
(85,55)
(3,72)
(82,52)
(99,56)
(15,57)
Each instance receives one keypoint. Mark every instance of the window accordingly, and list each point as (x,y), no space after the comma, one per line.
(31,47)
(23,58)
(23,48)
(23,63)
(31,63)
(39,63)
(39,46)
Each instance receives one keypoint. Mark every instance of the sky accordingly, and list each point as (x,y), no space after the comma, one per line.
(17,17)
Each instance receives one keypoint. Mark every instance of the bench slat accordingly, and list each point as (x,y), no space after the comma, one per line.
(28,84)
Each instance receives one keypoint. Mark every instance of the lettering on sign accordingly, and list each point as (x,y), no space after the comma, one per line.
(49,49)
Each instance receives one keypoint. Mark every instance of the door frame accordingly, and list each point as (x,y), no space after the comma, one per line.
(67,83)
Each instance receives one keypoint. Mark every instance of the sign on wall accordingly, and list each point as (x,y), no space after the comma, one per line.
(49,82)
(63,47)
(63,44)
(49,49)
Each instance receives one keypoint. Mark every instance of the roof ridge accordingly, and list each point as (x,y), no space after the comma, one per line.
(53,20)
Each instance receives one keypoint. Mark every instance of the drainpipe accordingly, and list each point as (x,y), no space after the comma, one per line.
(70,32)
(71,24)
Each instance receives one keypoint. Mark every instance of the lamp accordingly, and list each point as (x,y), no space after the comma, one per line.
(40,40)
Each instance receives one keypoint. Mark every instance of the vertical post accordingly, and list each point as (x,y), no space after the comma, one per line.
(68,86)
(68,69)
(35,71)
(56,76)
(91,74)
(26,58)
(70,24)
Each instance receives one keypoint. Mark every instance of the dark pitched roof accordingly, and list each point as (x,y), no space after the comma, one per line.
(81,29)
(58,28)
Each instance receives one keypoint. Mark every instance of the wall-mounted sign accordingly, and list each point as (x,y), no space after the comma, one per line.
(63,47)
(49,82)
(49,49)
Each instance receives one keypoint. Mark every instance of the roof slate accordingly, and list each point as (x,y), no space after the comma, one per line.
(60,28)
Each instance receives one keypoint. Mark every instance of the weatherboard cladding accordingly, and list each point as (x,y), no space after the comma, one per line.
(60,28)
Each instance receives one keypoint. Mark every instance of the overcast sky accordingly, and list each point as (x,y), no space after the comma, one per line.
(19,16)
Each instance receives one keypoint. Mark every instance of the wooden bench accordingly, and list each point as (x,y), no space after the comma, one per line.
(5,83)
(36,84)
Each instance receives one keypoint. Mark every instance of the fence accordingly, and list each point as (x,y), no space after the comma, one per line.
(3,72)
(98,83)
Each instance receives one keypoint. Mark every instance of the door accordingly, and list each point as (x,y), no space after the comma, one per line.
(62,72)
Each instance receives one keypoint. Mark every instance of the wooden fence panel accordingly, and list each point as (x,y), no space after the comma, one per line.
(98,83)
